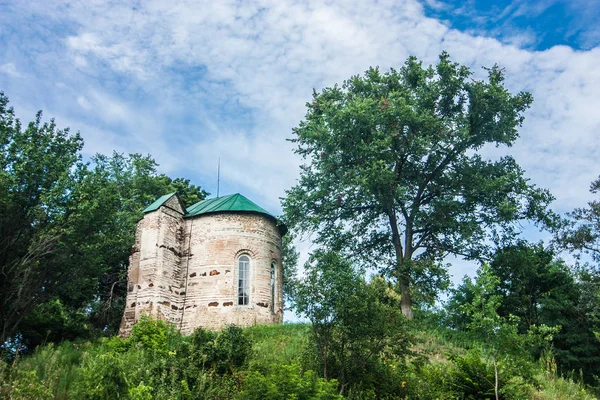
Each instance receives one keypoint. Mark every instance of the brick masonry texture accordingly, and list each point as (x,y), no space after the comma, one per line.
(185,272)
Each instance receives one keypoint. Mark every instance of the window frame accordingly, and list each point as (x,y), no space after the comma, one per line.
(273,284)
(243,284)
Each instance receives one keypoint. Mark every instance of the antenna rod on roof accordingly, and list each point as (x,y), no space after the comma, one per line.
(218,176)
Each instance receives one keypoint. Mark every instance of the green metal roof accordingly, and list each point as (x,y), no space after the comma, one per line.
(159,202)
(234,202)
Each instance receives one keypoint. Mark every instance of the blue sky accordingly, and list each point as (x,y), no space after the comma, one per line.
(534,25)
(191,81)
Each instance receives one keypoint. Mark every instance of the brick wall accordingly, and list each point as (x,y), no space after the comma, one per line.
(184,271)
(216,243)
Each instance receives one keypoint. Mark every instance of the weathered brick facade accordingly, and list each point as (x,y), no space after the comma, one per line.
(185,270)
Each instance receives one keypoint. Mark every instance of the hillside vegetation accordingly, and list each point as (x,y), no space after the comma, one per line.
(267,362)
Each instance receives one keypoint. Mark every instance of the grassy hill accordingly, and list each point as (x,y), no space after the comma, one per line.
(262,362)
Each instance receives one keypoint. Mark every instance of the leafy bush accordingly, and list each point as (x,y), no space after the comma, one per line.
(356,324)
(104,376)
(27,385)
(150,334)
(287,382)
(431,381)
(474,377)
(156,362)
(223,352)
(141,392)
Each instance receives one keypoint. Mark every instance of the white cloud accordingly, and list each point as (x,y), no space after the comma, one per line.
(11,70)
(84,103)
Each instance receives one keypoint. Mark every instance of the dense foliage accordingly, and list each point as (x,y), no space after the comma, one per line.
(272,363)
(355,325)
(156,362)
(289,261)
(66,230)
(535,289)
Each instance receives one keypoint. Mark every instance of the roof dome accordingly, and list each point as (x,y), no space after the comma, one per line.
(232,203)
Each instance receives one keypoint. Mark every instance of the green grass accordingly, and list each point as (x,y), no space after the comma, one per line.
(278,344)
(435,344)
(556,388)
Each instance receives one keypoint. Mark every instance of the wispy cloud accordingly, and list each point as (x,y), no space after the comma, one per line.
(11,70)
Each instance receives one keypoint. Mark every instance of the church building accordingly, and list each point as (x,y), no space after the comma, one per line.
(212,264)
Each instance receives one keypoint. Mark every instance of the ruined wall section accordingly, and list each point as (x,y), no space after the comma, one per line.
(216,242)
(130,315)
(155,277)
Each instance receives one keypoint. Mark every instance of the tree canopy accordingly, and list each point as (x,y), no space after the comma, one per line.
(66,230)
(35,174)
(393,171)
(537,289)
(582,230)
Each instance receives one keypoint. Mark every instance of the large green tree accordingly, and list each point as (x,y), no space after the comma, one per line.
(501,341)
(580,234)
(66,230)
(533,285)
(289,261)
(392,171)
(36,175)
(96,233)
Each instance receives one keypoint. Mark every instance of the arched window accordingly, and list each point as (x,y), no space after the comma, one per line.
(243,280)
(272,286)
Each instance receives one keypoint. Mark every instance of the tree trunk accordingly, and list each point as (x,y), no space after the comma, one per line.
(324,351)
(406,301)
(496,382)
(403,277)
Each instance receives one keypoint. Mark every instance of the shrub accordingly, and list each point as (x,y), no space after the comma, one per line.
(287,382)
(232,350)
(224,352)
(141,392)
(356,324)
(102,377)
(474,378)
(431,381)
(27,385)
(150,334)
